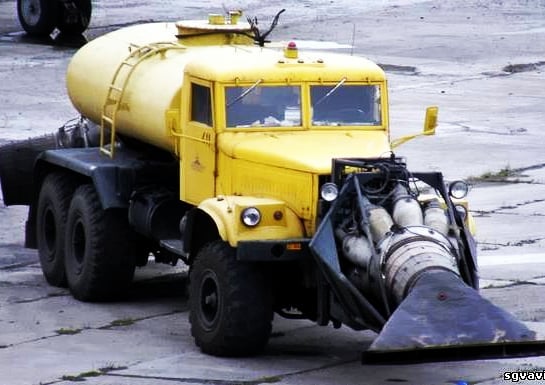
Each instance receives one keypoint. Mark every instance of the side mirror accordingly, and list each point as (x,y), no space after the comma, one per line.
(430,123)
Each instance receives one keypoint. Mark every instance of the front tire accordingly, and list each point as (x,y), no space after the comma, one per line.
(53,202)
(37,17)
(230,303)
(99,260)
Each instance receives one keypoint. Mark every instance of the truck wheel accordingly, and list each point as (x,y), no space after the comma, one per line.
(53,202)
(37,17)
(230,303)
(98,258)
(76,21)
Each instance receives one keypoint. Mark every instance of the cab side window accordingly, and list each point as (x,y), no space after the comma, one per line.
(201,104)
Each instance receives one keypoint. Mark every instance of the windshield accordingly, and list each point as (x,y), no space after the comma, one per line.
(345,105)
(263,106)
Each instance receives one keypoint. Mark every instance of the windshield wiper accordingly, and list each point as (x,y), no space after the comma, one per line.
(330,92)
(242,95)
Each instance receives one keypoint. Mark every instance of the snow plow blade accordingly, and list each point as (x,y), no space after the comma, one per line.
(443,319)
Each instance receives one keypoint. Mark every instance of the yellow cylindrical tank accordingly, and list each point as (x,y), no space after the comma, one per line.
(150,88)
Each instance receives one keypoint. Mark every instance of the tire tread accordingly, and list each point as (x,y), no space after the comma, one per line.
(247,322)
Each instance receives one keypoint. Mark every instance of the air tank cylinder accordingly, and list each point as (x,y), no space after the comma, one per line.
(435,217)
(357,249)
(407,210)
(381,222)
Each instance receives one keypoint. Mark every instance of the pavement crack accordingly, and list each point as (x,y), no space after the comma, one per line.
(68,332)
(130,321)
(185,380)
(38,299)
(310,370)
(510,207)
(209,381)
(467,128)
(523,67)
(14,266)
(522,242)
(533,167)
(399,68)
(513,284)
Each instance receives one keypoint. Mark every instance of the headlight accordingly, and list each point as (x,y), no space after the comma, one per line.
(329,192)
(458,189)
(461,211)
(250,216)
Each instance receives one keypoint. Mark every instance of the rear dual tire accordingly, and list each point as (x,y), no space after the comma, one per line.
(53,203)
(99,257)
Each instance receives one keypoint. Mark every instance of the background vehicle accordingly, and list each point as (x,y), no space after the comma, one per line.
(271,173)
(41,17)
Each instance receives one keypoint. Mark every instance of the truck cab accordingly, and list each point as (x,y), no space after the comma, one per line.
(267,122)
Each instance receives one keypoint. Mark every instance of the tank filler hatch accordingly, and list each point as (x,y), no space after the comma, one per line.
(218,29)
(222,30)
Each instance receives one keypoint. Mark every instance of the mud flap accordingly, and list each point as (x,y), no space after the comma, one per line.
(17,167)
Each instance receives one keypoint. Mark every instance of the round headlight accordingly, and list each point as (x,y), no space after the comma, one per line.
(250,216)
(458,189)
(329,192)
(461,211)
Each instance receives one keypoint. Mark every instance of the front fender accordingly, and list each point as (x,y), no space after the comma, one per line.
(277,220)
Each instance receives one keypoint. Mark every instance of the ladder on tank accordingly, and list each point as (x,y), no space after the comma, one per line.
(116,89)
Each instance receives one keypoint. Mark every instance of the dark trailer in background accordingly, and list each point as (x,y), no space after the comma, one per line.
(41,17)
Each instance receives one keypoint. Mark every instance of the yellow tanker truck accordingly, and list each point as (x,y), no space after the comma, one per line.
(270,171)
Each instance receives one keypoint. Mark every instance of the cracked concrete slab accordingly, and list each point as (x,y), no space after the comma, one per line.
(525,268)
(529,303)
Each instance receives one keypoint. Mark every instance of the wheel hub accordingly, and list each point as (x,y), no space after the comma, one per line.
(78,245)
(209,300)
(50,233)
(31,11)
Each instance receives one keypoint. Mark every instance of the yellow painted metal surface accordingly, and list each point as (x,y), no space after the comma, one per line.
(152,90)
(198,170)
(155,85)
(226,213)
(249,63)
(199,32)
(430,123)
(268,166)
(286,165)
(309,151)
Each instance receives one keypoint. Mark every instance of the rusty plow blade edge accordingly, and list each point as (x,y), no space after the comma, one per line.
(443,319)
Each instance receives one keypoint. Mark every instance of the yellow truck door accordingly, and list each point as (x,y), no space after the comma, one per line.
(198,155)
